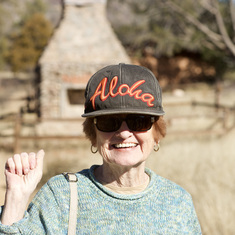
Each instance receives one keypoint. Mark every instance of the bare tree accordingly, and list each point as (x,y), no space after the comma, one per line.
(220,36)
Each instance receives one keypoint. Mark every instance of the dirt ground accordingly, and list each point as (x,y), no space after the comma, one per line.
(197,153)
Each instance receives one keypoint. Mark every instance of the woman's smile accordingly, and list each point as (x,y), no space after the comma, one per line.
(124,145)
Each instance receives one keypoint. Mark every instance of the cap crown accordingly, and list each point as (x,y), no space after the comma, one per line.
(123,88)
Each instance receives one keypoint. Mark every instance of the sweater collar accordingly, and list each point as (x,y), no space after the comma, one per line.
(112,194)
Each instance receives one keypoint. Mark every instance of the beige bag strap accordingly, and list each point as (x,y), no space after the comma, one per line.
(72,179)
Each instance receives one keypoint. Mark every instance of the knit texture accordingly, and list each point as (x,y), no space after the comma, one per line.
(162,208)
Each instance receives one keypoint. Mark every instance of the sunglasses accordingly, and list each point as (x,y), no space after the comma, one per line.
(134,122)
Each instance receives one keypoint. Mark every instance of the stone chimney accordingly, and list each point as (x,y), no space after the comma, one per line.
(83,43)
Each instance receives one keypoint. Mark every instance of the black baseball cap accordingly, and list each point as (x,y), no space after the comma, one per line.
(123,88)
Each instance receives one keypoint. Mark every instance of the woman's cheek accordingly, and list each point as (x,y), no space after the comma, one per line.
(105,153)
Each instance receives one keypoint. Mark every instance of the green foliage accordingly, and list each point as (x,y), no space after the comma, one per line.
(4,24)
(3,51)
(13,17)
(29,43)
(34,7)
(216,58)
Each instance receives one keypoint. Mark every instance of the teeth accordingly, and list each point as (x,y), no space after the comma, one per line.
(125,145)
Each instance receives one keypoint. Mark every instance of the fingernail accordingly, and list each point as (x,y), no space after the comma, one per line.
(41,150)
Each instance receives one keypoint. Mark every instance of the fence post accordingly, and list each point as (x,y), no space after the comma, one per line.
(218,89)
(17,133)
(233,115)
(225,118)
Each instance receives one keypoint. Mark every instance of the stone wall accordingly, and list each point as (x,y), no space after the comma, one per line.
(54,100)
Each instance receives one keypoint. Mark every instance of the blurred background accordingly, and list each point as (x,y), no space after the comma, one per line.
(50,48)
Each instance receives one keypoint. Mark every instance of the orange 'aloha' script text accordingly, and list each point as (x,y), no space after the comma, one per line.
(122,90)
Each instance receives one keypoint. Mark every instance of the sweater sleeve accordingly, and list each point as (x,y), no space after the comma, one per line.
(190,223)
(178,207)
(43,216)
(193,223)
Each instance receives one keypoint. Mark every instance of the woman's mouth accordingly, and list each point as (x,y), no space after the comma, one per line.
(124,145)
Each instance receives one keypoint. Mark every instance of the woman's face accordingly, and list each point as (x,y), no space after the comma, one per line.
(124,147)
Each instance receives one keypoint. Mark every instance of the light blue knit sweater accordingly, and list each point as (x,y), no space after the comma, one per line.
(163,208)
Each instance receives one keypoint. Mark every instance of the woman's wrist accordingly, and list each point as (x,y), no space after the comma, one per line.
(14,207)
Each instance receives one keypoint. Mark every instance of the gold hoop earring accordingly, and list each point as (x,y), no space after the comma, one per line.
(92,150)
(156,147)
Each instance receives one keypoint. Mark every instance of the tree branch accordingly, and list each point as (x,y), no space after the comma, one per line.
(228,42)
(205,4)
(232,13)
(214,37)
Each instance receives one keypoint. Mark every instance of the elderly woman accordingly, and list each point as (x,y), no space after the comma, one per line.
(124,122)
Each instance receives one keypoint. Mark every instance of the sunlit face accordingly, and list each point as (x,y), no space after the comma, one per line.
(125,147)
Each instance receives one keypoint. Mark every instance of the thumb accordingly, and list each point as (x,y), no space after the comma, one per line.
(39,159)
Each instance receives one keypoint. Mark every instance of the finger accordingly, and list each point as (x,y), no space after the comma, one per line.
(32,160)
(39,159)
(10,165)
(25,163)
(18,164)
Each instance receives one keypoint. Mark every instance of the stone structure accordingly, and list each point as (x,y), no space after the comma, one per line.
(83,43)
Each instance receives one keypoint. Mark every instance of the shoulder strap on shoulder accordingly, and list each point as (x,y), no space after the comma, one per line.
(72,179)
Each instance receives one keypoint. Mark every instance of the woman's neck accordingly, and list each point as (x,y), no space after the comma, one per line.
(120,176)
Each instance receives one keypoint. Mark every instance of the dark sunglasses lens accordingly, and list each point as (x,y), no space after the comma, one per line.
(134,123)
(108,124)
(139,123)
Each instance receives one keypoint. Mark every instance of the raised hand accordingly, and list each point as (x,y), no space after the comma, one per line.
(23,173)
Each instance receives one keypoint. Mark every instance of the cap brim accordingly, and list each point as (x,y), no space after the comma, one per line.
(121,111)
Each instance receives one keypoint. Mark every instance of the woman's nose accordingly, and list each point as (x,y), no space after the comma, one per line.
(124,131)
